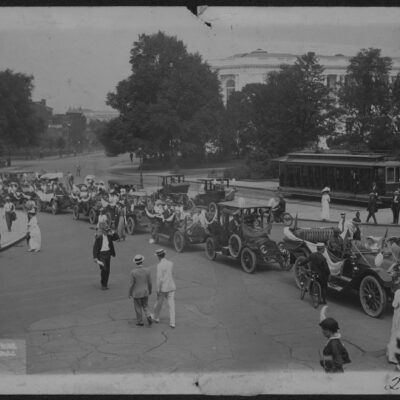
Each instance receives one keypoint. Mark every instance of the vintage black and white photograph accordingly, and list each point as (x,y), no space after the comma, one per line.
(199,200)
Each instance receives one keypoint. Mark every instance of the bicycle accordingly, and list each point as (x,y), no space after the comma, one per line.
(283,217)
(309,283)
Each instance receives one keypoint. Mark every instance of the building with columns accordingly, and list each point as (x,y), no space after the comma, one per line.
(237,71)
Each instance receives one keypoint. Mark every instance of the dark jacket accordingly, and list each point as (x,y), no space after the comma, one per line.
(335,355)
(372,205)
(98,243)
(318,264)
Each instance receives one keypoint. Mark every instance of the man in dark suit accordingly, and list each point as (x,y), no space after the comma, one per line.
(103,249)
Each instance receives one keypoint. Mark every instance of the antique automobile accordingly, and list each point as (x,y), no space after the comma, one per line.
(117,185)
(370,267)
(86,203)
(175,188)
(52,194)
(136,217)
(240,232)
(21,193)
(18,176)
(212,192)
(178,226)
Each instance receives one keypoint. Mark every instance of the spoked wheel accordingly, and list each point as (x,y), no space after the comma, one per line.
(315,294)
(298,271)
(92,216)
(130,225)
(54,207)
(287,219)
(212,207)
(210,249)
(235,245)
(248,260)
(373,297)
(75,212)
(286,262)
(179,241)
(303,288)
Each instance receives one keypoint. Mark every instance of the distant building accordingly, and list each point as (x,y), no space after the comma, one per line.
(93,115)
(237,71)
(43,111)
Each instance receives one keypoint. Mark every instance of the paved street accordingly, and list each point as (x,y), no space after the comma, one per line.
(227,320)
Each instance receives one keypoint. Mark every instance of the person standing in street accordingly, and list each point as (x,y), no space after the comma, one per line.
(140,290)
(395,206)
(325,201)
(33,232)
(78,169)
(121,220)
(392,349)
(70,181)
(103,250)
(372,207)
(9,212)
(319,265)
(131,156)
(165,288)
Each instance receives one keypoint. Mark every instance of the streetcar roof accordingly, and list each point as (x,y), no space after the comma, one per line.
(244,204)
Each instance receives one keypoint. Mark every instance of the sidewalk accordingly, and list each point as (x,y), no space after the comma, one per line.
(17,233)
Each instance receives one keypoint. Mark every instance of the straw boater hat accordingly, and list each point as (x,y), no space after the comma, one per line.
(320,245)
(160,252)
(325,189)
(138,259)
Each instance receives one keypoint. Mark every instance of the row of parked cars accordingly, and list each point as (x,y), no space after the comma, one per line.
(227,226)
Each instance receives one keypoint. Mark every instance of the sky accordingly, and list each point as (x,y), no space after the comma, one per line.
(79,54)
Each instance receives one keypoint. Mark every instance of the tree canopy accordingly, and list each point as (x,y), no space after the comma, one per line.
(19,124)
(170,103)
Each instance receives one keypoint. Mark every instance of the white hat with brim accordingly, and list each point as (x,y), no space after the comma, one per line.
(325,189)
(138,259)
(320,245)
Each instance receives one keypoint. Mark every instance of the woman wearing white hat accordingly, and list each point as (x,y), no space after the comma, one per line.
(325,200)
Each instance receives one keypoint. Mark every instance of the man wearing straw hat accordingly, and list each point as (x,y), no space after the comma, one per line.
(103,249)
(140,290)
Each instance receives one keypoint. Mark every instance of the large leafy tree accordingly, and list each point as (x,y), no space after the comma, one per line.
(366,97)
(292,109)
(169,104)
(19,124)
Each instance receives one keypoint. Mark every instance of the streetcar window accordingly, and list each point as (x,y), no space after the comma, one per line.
(390,177)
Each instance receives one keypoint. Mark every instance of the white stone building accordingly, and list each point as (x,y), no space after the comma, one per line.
(237,71)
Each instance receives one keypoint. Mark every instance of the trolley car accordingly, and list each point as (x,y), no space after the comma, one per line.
(349,176)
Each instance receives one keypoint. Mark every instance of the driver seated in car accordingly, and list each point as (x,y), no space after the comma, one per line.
(336,243)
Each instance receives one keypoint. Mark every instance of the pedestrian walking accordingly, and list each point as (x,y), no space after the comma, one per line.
(33,232)
(325,201)
(121,223)
(372,207)
(140,290)
(319,265)
(395,206)
(165,288)
(9,213)
(103,250)
(78,169)
(70,181)
(131,156)
(392,349)
(334,354)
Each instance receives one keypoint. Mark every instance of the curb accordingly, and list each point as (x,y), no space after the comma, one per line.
(12,243)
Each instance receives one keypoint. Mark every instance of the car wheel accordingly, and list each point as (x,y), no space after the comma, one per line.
(248,260)
(54,207)
(373,297)
(130,225)
(179,241)
(298,271)
(287,219)
(75,212)
(235,245)
(210,249)
(286,261)
(92,216)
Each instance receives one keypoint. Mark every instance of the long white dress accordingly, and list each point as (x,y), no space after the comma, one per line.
(392,349)
(325,200)
(35,237)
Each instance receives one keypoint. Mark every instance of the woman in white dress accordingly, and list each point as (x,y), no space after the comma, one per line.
(35,237)
(392,348)
(325,200)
